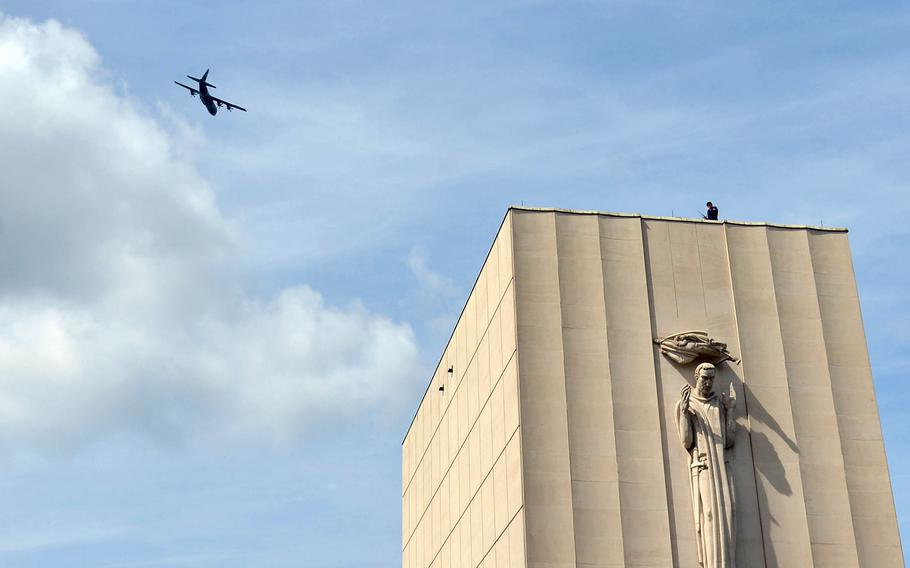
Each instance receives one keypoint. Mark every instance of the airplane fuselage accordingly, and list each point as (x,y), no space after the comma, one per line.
(206,99)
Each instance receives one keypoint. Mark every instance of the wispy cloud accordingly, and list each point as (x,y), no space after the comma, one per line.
(429,280)
(24,541)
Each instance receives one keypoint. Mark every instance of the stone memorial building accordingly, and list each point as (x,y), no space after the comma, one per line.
(634,391)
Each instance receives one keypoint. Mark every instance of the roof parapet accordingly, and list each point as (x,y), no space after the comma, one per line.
(678,219)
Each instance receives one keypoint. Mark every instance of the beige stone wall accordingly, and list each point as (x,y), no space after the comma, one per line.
(462,504)
(558,331)
(605,476)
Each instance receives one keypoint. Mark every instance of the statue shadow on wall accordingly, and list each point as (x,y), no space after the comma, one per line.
(765,456)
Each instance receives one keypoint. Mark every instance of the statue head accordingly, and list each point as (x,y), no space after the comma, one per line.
(704,379)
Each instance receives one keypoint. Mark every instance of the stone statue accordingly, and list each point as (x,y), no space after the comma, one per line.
(706,429)
(686,347)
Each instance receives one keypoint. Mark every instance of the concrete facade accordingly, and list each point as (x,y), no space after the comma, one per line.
(553,443)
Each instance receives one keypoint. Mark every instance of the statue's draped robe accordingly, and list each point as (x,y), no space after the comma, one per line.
(704,435)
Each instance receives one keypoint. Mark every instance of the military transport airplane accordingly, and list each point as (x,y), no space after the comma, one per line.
(210,102)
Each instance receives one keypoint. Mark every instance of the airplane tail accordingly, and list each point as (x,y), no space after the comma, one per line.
(203,79)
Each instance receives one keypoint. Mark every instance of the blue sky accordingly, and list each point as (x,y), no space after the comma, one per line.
(236,315)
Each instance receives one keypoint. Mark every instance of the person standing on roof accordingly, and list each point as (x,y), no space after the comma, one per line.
(712,212)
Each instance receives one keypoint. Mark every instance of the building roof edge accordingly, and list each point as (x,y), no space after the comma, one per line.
(677,219)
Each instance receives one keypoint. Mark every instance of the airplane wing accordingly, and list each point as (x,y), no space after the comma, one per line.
(193,91)
(229,106)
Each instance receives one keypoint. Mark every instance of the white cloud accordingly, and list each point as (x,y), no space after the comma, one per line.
(121,307)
